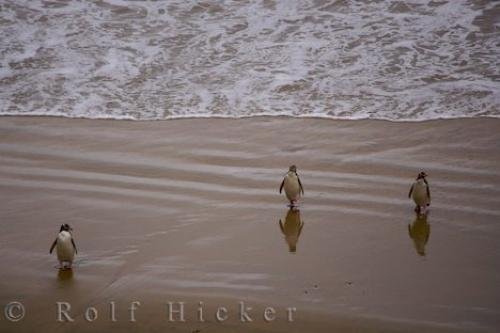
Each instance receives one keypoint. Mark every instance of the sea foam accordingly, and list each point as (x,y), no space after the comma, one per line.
(148,60)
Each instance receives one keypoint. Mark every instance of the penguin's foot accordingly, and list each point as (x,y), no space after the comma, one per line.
(64,266)
(421,211)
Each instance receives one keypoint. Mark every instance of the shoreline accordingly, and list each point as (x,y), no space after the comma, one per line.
(257,116)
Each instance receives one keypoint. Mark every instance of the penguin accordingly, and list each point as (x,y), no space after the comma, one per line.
(419,232)
(292,228)
(420,192)
(293,186)
(66,247)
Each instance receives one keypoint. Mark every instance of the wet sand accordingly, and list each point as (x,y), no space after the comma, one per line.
(189,210)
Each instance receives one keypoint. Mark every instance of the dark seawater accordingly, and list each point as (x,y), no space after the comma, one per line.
(147,60)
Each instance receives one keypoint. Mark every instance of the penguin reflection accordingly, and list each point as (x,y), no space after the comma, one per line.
(292,228)
(420,231)
(65,275)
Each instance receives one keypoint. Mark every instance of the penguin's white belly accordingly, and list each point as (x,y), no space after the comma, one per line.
(64,247)
(292,187)
(420,194)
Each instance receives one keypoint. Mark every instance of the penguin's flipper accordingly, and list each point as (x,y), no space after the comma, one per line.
(282,184)
(300,185)
(300,228)
(428,190)
(74,245)
(53,246)
(281,227)
(411,191)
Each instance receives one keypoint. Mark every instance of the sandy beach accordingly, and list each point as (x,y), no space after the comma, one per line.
(189,211)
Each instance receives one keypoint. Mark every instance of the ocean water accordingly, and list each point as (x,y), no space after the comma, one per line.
(148,60)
